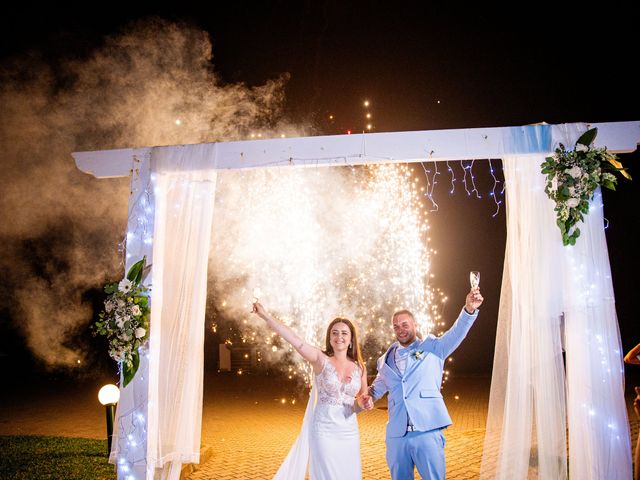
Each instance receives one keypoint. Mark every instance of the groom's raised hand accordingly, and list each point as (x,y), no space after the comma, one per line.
(474,300)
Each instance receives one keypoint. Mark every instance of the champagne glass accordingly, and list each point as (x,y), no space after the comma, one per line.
(474,279)
(256,294)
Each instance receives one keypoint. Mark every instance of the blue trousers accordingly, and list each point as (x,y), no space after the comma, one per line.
(425,450)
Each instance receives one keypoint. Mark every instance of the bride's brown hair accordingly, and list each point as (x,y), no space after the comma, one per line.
(353,352)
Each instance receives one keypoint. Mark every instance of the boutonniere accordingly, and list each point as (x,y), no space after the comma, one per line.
(417,355)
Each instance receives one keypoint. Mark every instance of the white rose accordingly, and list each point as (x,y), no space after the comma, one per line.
(140,332)
(125,285)
(135,310)
(581,148)
(573,202)
(575,171)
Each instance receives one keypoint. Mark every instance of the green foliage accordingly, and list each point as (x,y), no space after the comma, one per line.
(40,457)
(125,319)
(129,370)
(572,178)
(587,137)
(135,272)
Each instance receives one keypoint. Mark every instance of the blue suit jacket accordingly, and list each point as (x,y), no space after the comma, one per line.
(416,394)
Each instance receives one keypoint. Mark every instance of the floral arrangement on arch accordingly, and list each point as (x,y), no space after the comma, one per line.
(572,178)
(125,319)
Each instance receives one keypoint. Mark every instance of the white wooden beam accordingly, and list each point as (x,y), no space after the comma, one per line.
(110,163)
(417,146)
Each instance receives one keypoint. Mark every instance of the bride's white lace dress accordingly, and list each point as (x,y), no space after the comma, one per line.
(329,440)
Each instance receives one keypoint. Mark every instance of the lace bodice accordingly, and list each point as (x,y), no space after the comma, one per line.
(333,391)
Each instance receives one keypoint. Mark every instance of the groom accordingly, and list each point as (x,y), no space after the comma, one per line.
(411,371)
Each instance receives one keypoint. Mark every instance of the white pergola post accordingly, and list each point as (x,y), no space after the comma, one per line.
(132,447)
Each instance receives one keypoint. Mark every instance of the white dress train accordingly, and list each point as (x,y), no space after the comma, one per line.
(329,441)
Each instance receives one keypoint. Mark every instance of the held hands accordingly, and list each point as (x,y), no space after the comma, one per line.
(365,402)
(474,300)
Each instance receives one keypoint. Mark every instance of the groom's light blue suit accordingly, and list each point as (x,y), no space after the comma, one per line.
(415,401)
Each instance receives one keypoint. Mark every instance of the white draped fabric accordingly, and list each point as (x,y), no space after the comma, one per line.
(555,300)
(599,443)
(184,188)
(295,465)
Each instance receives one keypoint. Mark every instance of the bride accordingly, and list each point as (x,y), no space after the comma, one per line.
(329,440)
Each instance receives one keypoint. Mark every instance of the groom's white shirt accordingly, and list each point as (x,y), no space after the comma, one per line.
(400,356)
(415,393)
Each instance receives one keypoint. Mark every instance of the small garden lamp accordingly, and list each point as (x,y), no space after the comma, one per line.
(109,396)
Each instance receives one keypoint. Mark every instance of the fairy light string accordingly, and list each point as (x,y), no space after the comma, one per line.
(493,189)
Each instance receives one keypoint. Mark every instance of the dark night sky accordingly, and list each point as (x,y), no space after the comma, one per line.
(555,64)
(423,67)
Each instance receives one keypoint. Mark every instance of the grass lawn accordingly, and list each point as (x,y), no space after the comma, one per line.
(38,457)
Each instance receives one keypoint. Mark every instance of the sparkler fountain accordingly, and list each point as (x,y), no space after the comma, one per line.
(320,243)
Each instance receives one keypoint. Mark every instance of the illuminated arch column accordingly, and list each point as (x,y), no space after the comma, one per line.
(130,446)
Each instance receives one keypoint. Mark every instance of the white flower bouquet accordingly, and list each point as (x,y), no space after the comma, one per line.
(125,319)
(572,178)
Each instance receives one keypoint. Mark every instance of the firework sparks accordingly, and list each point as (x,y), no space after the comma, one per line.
(322,243)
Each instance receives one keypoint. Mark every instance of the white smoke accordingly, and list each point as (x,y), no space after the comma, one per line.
(152,84)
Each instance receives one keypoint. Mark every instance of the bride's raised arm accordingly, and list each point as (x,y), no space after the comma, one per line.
(310,353)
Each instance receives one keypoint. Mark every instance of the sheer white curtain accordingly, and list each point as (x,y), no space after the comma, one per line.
(526,424)
(184,187)
(599,443)
(554,297)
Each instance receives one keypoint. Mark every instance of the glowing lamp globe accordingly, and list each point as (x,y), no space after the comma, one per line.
(109,394)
